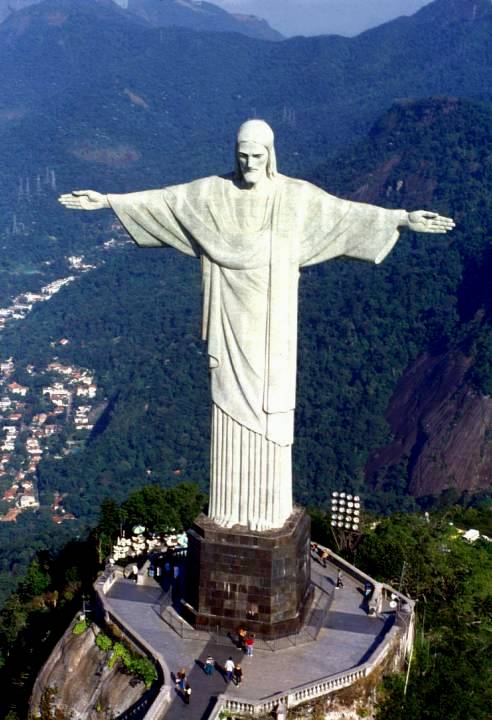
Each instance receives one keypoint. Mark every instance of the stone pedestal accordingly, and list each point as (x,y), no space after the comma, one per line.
(239,578)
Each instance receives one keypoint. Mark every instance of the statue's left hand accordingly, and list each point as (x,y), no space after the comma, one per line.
(429,222)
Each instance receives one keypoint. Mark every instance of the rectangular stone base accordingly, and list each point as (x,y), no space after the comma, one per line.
(256,580)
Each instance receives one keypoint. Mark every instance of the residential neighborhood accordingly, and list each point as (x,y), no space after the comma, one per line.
(22,304)
(69,402)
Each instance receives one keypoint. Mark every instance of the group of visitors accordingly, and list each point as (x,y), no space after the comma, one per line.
(232,671)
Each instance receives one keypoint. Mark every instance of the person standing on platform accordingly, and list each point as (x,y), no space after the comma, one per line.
(180,680)
(229,669)
(250,641)
(241,637)
(209,666)
(238,674)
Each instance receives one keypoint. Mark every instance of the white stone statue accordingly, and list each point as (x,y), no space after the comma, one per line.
(252,231)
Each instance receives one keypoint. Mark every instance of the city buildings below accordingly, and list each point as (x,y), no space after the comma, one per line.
(69,396)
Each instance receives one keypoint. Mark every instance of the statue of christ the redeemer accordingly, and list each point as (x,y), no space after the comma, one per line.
(252,231)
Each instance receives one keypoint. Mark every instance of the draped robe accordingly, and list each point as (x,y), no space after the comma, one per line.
(251,247)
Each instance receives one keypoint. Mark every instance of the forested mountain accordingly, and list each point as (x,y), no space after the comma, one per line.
(122,103)
(434,153)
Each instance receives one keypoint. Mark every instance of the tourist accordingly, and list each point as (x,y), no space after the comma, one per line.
(241,638)
(209,666)
(238,674)
(181,680)
(250,641)
(187,693)
(324,555)
(229,669)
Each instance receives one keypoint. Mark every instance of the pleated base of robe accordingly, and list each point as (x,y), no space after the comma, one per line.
(250,476)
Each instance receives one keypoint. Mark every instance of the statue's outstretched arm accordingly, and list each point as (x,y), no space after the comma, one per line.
(84,200)
(427,222)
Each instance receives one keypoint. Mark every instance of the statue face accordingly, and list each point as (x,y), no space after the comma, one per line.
(253,160)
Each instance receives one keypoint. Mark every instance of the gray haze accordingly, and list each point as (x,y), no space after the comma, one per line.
(322,17)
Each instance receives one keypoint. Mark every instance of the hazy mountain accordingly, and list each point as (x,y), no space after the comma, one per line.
(192,14)
(198,15)
(105,99)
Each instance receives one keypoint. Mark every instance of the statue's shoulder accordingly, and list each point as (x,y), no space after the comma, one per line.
(298,186)
(194,186)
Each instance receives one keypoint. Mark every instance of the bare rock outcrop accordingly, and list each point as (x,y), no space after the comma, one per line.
(441,426)
(85,686)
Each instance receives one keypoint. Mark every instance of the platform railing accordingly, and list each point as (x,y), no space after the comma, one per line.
(309,691)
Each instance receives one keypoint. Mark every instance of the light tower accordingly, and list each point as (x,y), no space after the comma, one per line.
(345,520)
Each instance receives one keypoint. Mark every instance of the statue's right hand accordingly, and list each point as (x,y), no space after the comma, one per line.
(84,200)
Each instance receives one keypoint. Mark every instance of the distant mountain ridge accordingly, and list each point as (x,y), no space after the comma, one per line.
(117,98)
(191,14)
(204,16)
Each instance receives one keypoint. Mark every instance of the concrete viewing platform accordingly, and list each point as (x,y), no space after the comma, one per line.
(340,636)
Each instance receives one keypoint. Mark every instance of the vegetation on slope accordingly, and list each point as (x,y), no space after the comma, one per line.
(451,582)
(34,617)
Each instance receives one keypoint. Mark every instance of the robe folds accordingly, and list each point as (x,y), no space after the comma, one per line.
(251,249)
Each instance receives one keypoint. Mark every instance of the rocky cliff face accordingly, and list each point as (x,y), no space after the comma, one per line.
(442,429)
(85,687)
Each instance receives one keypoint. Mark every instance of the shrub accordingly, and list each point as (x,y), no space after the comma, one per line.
(103,642)
(80,627)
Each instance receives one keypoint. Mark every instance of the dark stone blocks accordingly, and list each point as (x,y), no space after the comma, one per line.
(260,581)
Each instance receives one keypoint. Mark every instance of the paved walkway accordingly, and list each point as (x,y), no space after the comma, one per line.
(347,638)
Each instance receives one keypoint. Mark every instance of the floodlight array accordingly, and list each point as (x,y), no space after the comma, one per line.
(345,511)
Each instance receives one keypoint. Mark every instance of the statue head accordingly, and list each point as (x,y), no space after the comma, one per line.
(255,152)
